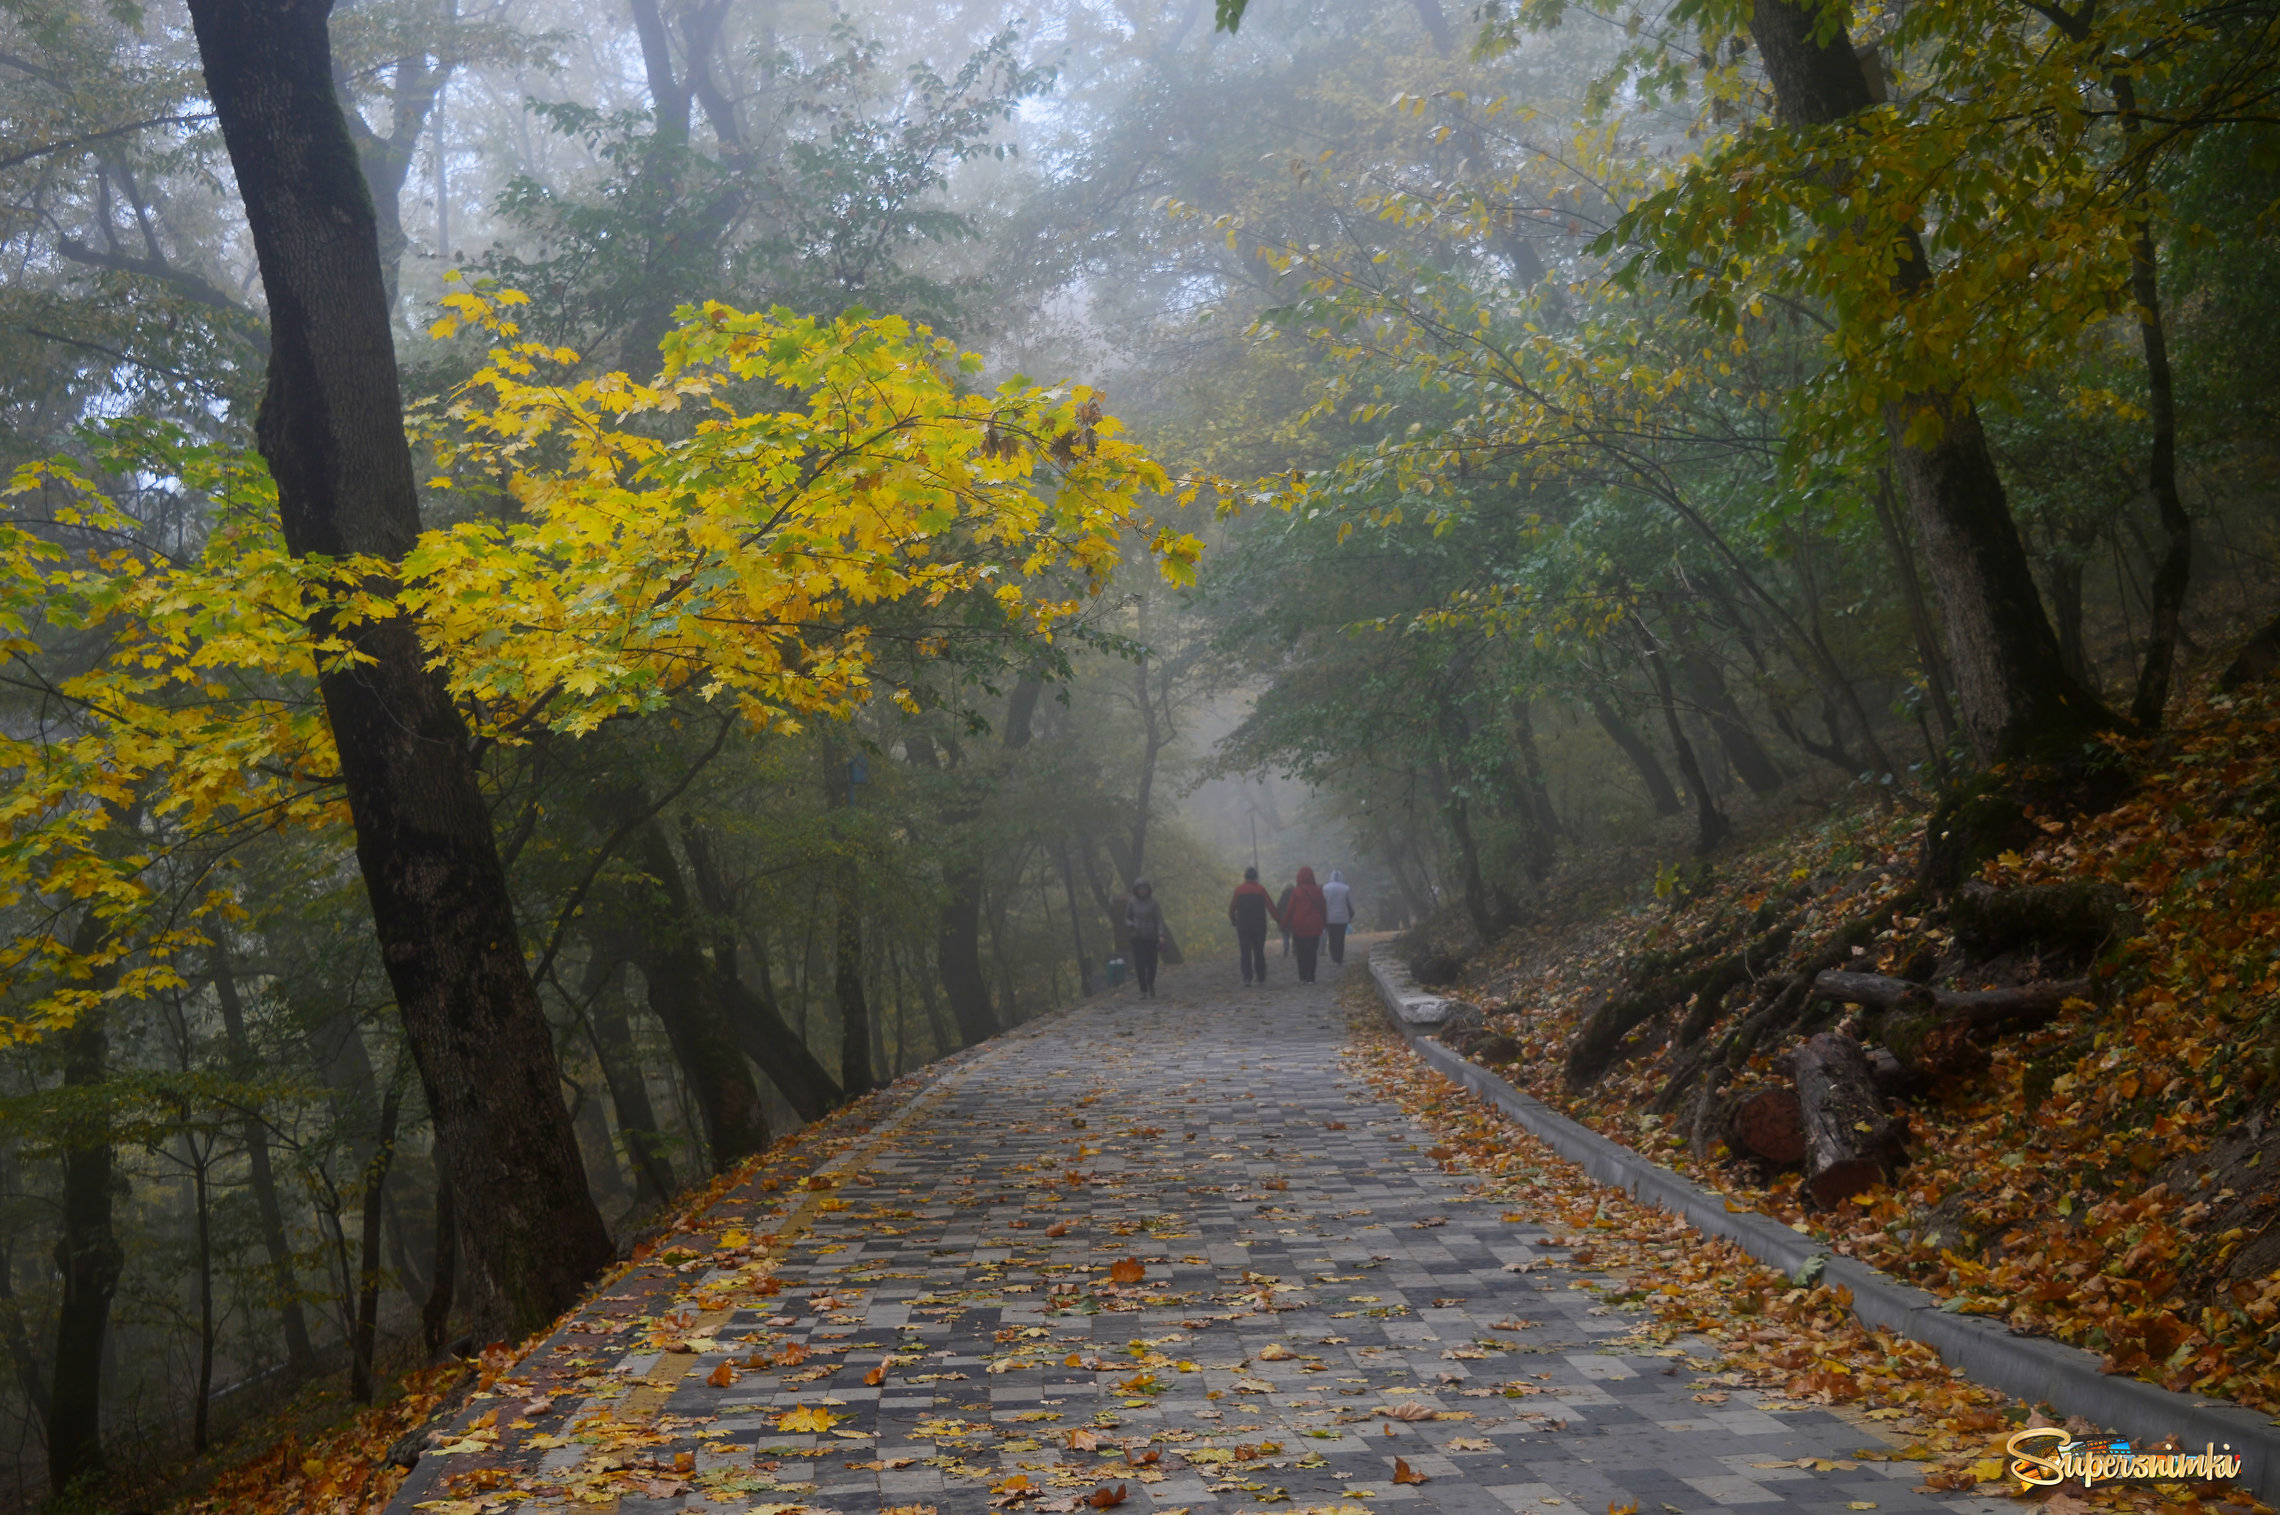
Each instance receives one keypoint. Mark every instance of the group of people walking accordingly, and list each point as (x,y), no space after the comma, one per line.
(1311,916)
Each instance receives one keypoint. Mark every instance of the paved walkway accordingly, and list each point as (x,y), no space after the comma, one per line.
(1311,1280)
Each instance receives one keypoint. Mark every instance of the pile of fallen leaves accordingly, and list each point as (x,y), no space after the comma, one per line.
(1785,1341)
(2102,1180)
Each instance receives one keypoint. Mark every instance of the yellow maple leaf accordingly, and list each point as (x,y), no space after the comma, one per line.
(806,1418)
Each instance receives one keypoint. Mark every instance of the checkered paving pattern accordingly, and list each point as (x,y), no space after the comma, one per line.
(1312,1285)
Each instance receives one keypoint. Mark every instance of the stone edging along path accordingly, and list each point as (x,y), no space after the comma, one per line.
(2033,1369)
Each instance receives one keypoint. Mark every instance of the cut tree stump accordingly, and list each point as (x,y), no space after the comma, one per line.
(1851,1143)
(1768,1124)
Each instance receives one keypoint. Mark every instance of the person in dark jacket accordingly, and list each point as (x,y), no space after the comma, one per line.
(1303,919)
(1282,916)
(1144,918)
(1248,912)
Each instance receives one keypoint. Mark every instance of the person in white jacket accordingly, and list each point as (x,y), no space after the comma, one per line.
(1339,896)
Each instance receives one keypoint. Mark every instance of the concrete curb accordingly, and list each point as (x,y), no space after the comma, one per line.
(2030,1368)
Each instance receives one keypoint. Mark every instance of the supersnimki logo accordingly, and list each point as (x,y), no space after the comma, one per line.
(2049,1454)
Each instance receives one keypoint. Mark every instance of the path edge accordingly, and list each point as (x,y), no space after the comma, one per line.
(2033,1369)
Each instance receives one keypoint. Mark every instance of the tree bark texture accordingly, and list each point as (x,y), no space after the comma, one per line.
(331,430)
(2012,686)
(1851,1143)
(88,1258)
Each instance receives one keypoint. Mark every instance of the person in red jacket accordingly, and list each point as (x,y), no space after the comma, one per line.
(1304,918)
(1248,912)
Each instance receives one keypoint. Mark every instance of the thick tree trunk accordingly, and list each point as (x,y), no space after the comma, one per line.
(661,923)
(705,1047)
(1919,613)
(1634,747)
(1851,1144)
(88,1259)
(331,430)
(1705,685)
(593,1128)
(621,1070)
(958,952)
(1536,793)
(1710,824)
(202,1397)
(782,1053)
(365,1335)
(1468,859)
(2173,575)
(1076,921)
(760,1029)
(300,1355)
(2014,691)
(443,1278)
(855,1075)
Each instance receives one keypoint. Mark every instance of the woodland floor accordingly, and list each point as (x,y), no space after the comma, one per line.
(1218,1251)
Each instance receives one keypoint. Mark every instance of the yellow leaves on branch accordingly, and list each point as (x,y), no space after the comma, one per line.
(733,528)
(738,530)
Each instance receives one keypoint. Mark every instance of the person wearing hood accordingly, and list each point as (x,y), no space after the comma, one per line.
(1248,912)
(1144,918)
(1304,919)
(1337,914)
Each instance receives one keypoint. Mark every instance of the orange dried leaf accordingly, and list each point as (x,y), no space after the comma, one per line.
(1127,1270)
(1404,1473)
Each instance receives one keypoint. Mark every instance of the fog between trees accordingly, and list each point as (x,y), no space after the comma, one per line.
(1475,450)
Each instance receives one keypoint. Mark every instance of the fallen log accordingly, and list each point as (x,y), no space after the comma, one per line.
(1987,1006)
(1851,1144)
(1935,1030)
(1767,1124)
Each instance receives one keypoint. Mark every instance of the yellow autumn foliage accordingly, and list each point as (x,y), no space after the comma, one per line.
(736,530)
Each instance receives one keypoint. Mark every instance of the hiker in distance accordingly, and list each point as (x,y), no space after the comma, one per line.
(1144,918)
(1304,918)
(1337,914)
(1282,916)
(1248,912)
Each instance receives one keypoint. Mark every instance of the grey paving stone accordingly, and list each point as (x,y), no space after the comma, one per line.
(1224,1143)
